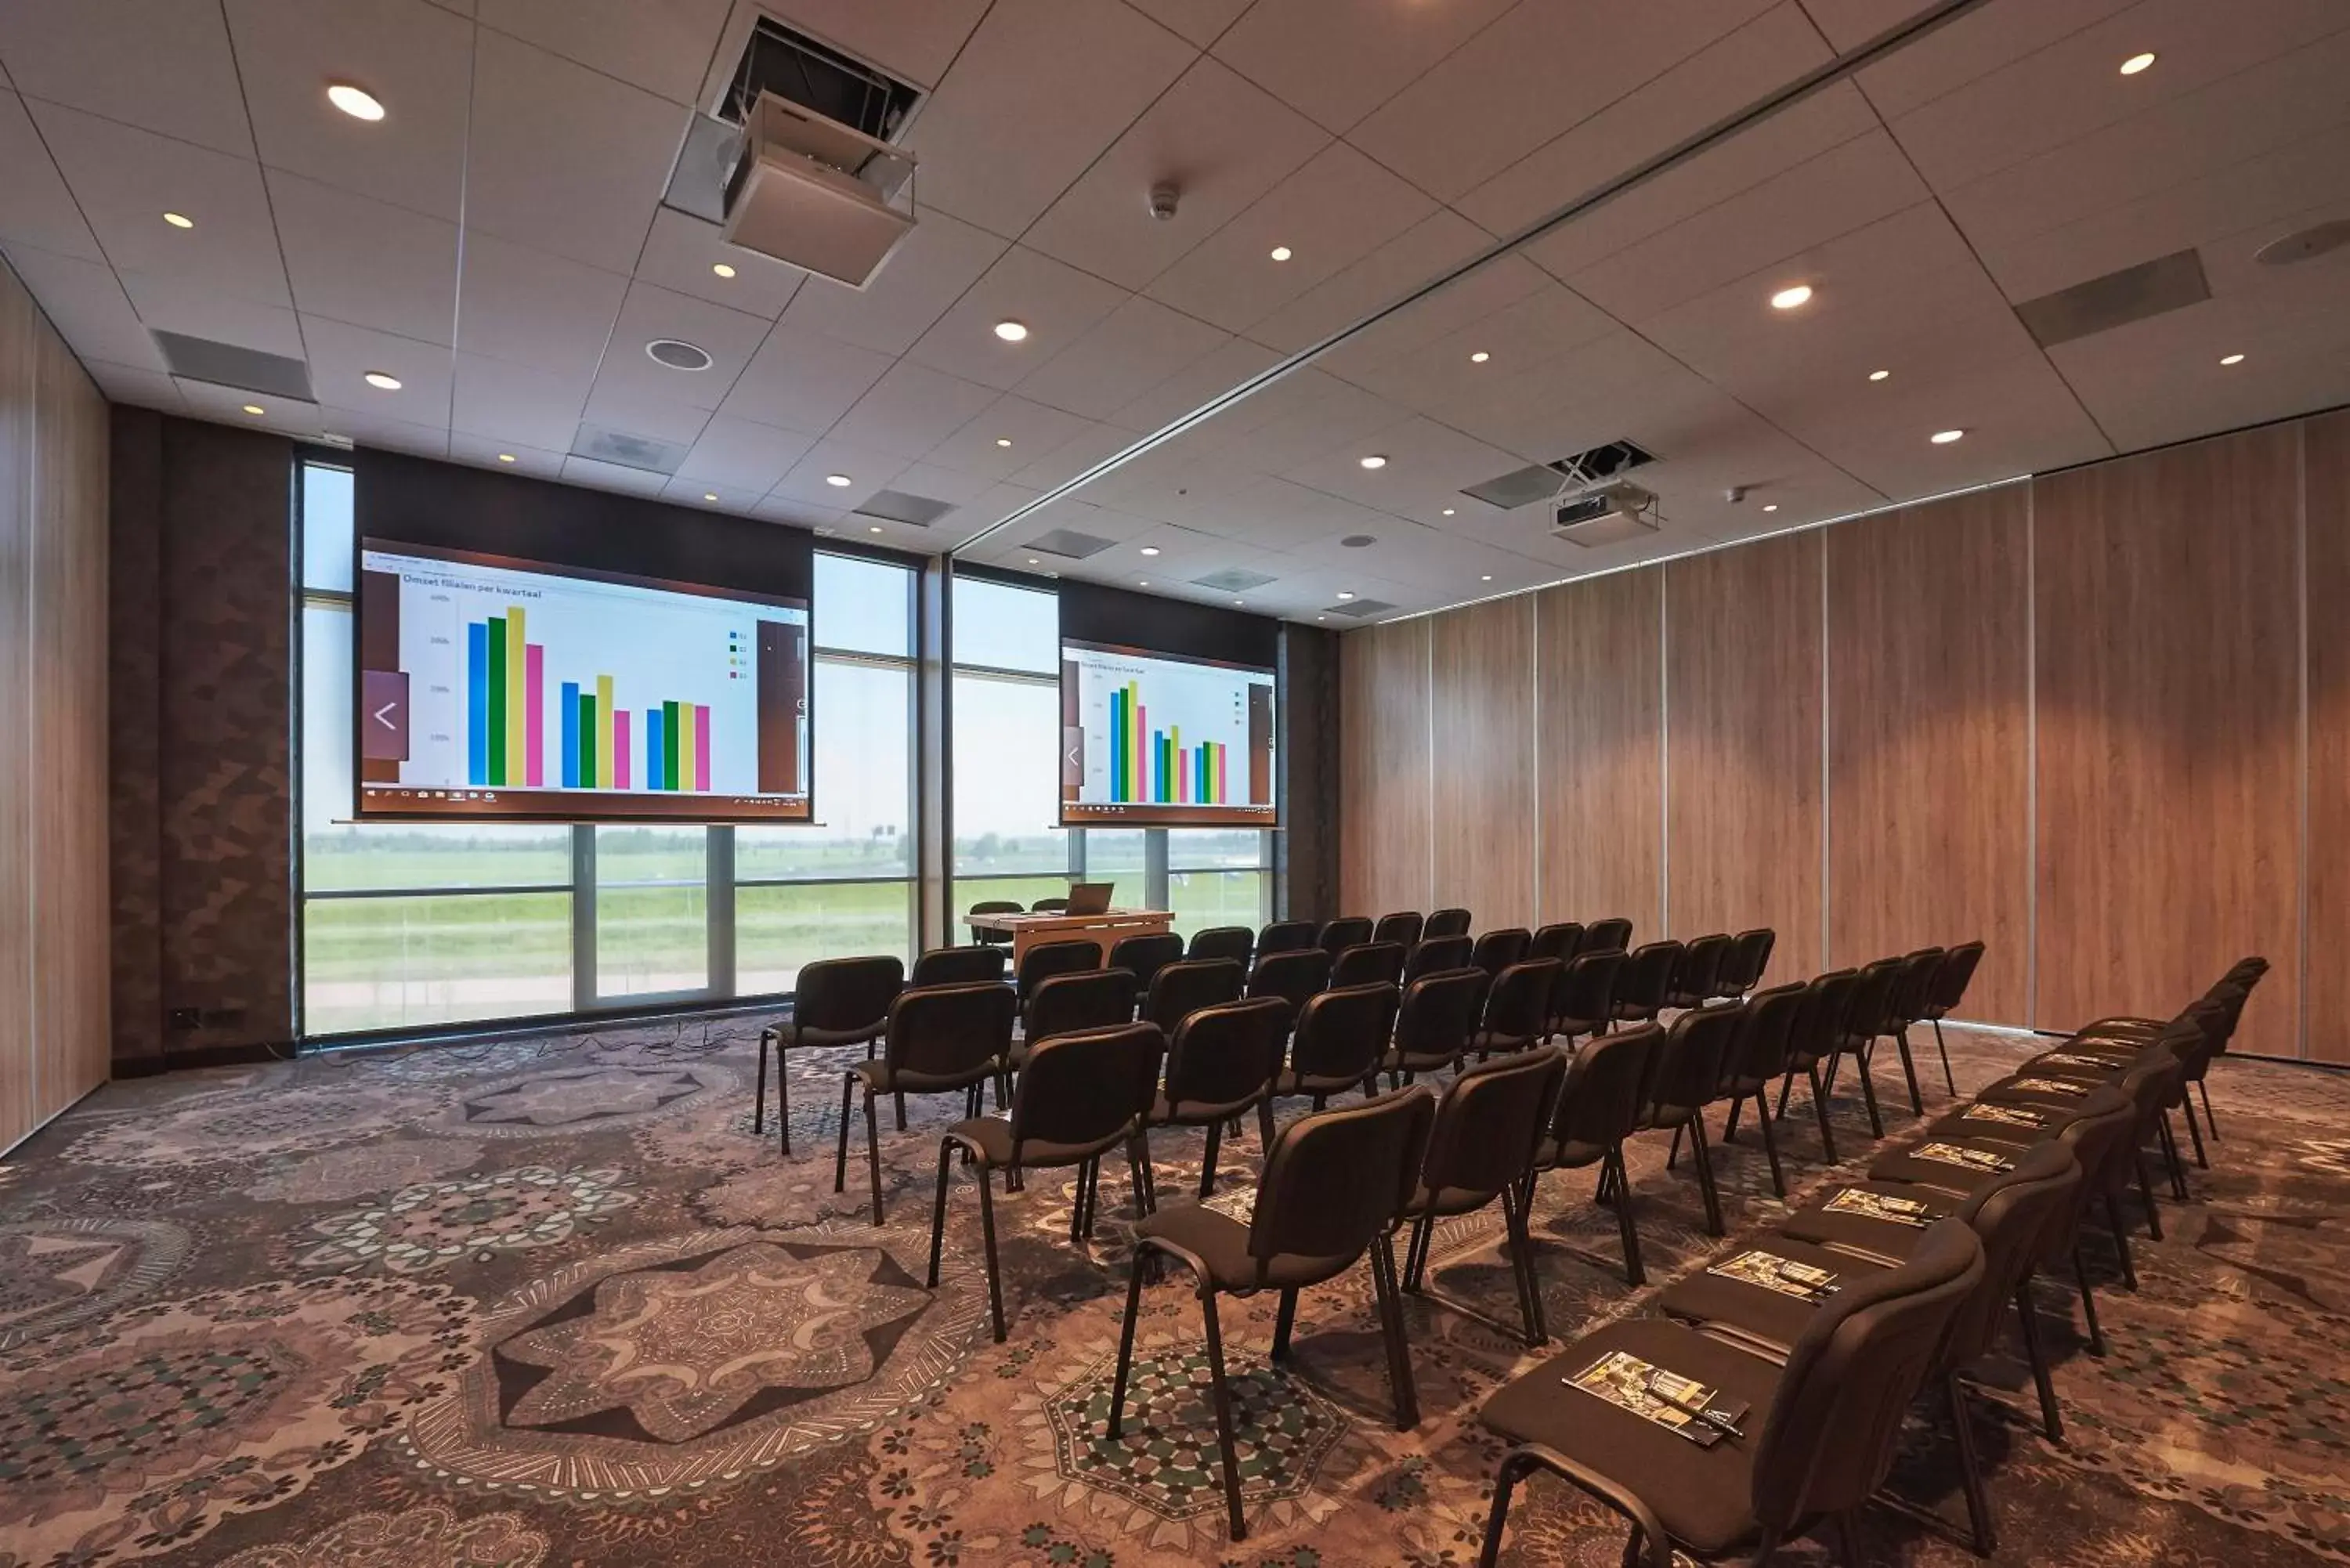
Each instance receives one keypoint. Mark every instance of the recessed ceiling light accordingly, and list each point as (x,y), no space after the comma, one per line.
(2138,63)
(1031,560)
(1374,461)
(1479,357)
(1240,601)
(1486,578)
(381,382)
(1321,618)
(709,496)
(506,457)
(1770,506)
(254,409)
(1150,549)
(1281,253)
(1878,375)
(1003,440)
(2231,359)
(1944,438)
(837,481)
(1448,511)
(875,529)
(1012,331)
(177,222)
(1142,583)
(721,269)
(1790,297)
(357,102)
(1346,592)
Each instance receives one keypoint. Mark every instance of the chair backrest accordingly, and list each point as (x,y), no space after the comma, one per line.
(1446,923)
(1760,1054)
(1585,994)
(1434,953)
(1145,955)
(1647,976)
(1088,1087)
(1869,1005)
(1233,942)
(1518,1006)
(1347,932)
(994,906)
(847,995)
(1697,967)
(1290,977)
(1226,1055)
(2012,1217)
(1951,980)
(1613,934)
(1059,906)
(1368,964)
(1333,1179)
(1497,950)
(947,1031)
(1689,1065)
(1179,990)
(2101,1128)
(1600,1103)
(1046,960)
(1341,1034)
(1284,937)
(1558,941)
(1440,1012)
(1489,1121)
(1913,987)
(1080,1000)
(1829,1437)
(1403,928)
(1743,965)
(961,966)
(1819,1023)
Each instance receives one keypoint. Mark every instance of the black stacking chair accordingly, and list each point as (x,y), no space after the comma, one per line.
(1233,942)
(1436,1023)
(1600,1107)
(1689,1065)
(1179,990)
(1818,1443)
(961,966)
(1948,990)
(1560,942)
(1332,1186)
(1481,1149)
(1294,977)
(1433,955)
(1403,928)
(1612,935)
(837,1001)
(1222,1062)
(1046,960)
(1817,1031)
(1864,1024)
(1695,971)
(1284,937)
(1517,1008)
(1079,1002)
(1742,965)
(1584,999)
(1758,1060)
(1080,1097)
(994,906)
(1641,983)
(1144,956)
(1368,964)
(1049,906)
(1498,950)
(1445,923)
(1347,932)
(945,1038)
(1336,1046)
(1905,1004)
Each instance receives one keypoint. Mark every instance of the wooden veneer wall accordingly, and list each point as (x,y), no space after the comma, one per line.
(2100,718)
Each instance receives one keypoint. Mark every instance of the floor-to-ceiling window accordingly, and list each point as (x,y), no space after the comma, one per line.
(1005,746)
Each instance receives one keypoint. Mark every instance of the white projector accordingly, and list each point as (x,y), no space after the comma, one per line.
(816,194)
(1606,515)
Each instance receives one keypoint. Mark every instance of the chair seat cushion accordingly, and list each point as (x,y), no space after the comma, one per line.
(1965,1128)
(1566,1023)
(1886,1238)
(1902,1166)
(1567,1154)
(1195,1113)
(1772,1316)
(1446,1201)
(1291,1082)
(993,1138)
(1413,1061)
(1221,1242)
(798,1037)
(1701,1496)
(882,1081)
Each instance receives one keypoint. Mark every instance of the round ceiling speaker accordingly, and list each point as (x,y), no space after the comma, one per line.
(678,354)
(2306,244)
(1356,541)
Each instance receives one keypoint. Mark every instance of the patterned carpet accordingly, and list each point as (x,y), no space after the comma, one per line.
(549,1303)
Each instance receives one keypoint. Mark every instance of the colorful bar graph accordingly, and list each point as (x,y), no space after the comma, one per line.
(477,705)
(700,746)
(587,740)
(535,682)
(570,716)
(619,750)
(508,730)
(517,768)
(495,714)
(669,745)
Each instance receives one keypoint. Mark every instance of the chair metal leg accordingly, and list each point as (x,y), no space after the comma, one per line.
(841,1159)
(1788,1083)
(1820,1111)
(1264,1128)
(1415,1254)
(2088,1302)
(1861,1064)
(2145,1196)
(1126,1343)
(1986,1540)
(1729,1122)
(2166,1139)
(873,1151)
(1208,1160)
(783,1102)
(759,1100)
(1948,1081)
(2210,1119)
(1285,1317)
(1523,1265)
(1144,1174)
(1383,1276)
(1513,1465)
(1634,1274)
(1909,1069)
(2195,1131)
(938,1209)
(2121,1240)
(1704,1161)
(987,1229)
(1847,1548)
(900,1100)
(1223,1413)
(1674,1153)
(1770,1147)
(2050,1420)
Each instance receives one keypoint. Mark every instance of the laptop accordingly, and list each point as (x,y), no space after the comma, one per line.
(1090,898)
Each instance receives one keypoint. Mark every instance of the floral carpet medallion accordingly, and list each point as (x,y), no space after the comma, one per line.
(422,1227)
(586,1097)
(131,1438)
(247,1124)
(679,1362)
(426,1537)
(55,1274)
(340,1175)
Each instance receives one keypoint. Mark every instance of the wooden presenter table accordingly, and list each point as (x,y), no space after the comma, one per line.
(1027,930)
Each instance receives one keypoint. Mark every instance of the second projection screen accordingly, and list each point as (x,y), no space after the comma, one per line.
(1150,741)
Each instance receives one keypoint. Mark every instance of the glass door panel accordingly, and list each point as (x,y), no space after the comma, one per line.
(652,912)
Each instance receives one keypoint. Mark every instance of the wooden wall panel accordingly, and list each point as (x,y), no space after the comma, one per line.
(1481,683)
(1743,728)
(19,324)
(1930,671)
(2168,716)
(1383,772)
(2326,489)
(1599,692)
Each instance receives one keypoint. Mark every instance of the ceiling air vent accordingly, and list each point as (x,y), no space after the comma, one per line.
(2133,293)
(630,450)
(226,364)
(1069,544)
(1358,608)
(1602,462)
(897,507)
(1232,581)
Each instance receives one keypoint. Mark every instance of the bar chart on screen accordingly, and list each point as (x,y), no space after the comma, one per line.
(1153,738)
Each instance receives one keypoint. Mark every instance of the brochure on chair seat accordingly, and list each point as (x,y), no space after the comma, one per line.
(1805,1282)
(1981,1160)
(1881,1206)
(2070,1091)
(1237,1203)
(2010,1116)
(1680,1405)
(2075,1059)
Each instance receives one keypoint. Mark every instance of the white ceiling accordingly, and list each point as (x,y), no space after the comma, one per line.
(499,243)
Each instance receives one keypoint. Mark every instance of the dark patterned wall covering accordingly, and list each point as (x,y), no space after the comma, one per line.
(1306,854)
(203,796)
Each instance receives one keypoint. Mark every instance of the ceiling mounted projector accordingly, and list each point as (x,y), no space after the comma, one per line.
(818,193)
(1606,513)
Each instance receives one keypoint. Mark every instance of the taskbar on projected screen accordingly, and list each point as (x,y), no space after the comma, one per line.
(1077,814)
(398,802)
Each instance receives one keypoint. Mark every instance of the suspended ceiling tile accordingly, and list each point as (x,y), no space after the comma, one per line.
(165,66)
(929,272)
(664,47)
(366,262)
(651,313)
(1130,351)
(35,207)
(85,301)
(1057,304)
(1337,61)
(1437,242)
(681,250)
(801,379)
(534,308)
(1034,431)
(342,355)
(498,399)
(743,455)
(168,302)
(910,409)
